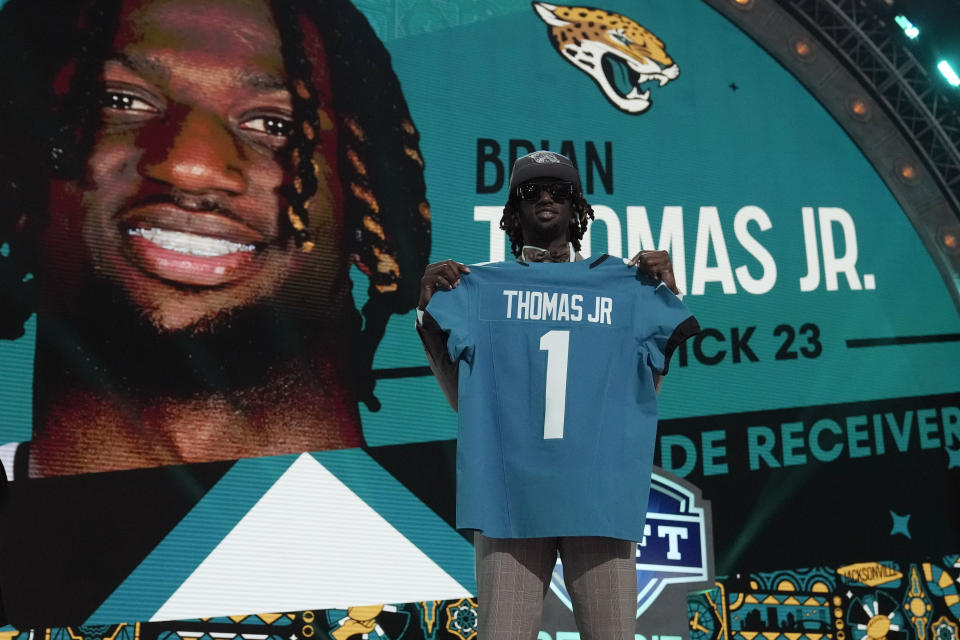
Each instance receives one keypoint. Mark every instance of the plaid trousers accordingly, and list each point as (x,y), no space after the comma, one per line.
(513,575)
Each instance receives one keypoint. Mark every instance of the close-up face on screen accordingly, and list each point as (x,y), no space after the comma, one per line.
(215,221)
(207,188)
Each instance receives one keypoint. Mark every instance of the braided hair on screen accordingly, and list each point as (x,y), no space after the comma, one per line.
(510,222)
(386,214)
(40,136)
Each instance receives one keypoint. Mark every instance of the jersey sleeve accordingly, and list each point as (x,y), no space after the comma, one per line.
(664,323)
(451,310)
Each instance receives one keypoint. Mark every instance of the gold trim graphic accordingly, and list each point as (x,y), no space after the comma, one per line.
(917,604)
(871,574)
(943,629)
(360,621)
(462,618)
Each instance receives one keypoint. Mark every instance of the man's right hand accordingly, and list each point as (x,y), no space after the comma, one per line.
(440,275)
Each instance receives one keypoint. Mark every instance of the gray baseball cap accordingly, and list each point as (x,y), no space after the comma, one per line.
(543,164)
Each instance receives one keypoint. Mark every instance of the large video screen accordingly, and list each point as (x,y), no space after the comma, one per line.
(215,217)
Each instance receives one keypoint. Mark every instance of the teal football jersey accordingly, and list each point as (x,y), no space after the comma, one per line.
(557,408)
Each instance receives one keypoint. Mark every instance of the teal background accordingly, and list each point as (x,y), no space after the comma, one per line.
(769,144)
(489,71)
(473,70)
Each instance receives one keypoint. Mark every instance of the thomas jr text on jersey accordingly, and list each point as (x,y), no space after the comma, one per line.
(555,306)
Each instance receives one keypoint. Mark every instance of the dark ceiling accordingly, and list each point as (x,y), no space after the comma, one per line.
(939,25)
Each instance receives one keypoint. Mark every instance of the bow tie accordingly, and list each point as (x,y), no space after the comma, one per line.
(532,254)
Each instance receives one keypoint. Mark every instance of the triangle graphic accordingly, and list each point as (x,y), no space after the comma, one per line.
(309,543)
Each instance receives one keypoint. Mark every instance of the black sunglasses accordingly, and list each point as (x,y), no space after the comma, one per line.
(559,191)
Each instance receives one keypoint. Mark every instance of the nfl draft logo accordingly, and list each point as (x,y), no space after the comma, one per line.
(677,544)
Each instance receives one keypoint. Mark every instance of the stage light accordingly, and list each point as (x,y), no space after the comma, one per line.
(907,26)
(801,47)
(906,171)
(949,73)
(859,109)
(950,240)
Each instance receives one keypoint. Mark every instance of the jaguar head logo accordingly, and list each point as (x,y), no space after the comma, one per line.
(616,51)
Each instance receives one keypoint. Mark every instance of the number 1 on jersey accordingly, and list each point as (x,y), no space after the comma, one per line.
(556,343)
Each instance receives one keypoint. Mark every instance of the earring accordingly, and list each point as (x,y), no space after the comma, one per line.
(62,152)
(57,159)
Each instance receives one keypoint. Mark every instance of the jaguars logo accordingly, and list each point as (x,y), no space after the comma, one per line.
(617,52)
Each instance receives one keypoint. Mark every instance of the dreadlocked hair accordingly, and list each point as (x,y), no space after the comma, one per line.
(307,110)
(386,214)
(80,109)
(43,134)
(510,222)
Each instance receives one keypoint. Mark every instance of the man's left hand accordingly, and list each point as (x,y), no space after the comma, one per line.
(656,264)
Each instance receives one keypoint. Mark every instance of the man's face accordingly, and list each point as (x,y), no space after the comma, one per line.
(179,207)
(545,220)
